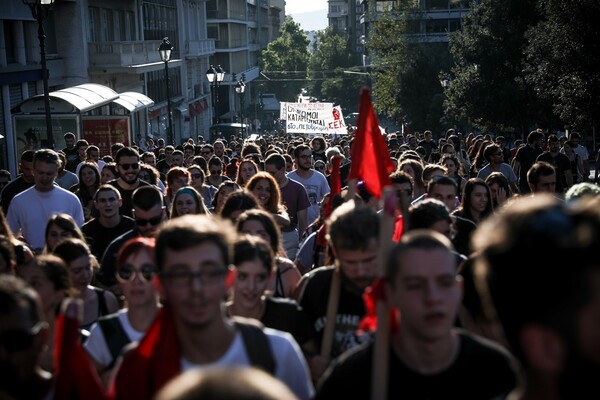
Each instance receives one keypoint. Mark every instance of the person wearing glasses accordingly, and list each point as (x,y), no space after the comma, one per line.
(194,257)
(136,270)
(23,335)
(30,210)
(128,167)
(148,213)
(495,158)
(215,170)
(315,183)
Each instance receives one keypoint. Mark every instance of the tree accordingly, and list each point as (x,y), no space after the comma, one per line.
(285,61)
(487,83)
(327,79)
(405,70)
(562,59)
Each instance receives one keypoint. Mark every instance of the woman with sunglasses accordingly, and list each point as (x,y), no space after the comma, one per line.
(136,270)
(80,264)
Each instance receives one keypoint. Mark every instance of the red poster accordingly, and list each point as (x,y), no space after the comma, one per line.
(105,131)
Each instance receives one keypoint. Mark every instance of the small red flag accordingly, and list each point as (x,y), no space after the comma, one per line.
(371,160)
(75,376)
(335,185)
(148,367)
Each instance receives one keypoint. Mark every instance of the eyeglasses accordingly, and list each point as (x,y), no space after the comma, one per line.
(152,221)
(14,340)
(207,277)
(132,166)
(126,273)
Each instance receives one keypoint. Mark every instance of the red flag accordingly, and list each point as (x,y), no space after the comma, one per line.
(75,376)
(335,185)
(371,160)
(147,368)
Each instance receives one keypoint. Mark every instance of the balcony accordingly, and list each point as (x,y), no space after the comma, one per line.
(123,54)
(199,48)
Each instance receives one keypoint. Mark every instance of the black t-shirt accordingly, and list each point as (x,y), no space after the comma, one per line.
(482,370)
(351,309)
(13,188)
(286,315)
(99,237)
(72,157)
(127,205)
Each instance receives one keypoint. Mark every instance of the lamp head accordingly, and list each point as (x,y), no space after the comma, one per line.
(220,73)
(211,74)
(165,50)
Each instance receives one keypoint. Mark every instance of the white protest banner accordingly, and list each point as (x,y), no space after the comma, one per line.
(313,118)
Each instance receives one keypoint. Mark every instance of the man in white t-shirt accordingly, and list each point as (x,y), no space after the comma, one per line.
(314,182)
(193,257)
(30,210)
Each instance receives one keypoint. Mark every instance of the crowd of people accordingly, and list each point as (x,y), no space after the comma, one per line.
(203,266)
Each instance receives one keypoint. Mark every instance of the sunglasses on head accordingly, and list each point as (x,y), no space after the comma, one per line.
(14,340)
(151,221)
(127,166)
(126,273)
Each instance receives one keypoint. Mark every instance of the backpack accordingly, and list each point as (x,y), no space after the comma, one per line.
(256,343)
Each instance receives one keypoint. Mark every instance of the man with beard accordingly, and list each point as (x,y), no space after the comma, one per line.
(313,181)
(547,302)
(128,167)
(353,236)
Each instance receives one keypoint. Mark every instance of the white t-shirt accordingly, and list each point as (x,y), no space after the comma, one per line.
(290,365)
(96,345)
(316,187)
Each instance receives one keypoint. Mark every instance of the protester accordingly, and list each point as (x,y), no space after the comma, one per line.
(193,255)
(23,335)
(31,209)
(136,269)
(353,235)
(429,357)
(546,301)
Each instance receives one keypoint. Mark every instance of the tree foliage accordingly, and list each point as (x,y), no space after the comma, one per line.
(487,83)
(327,79)
(285,61)
(562,59)
(406,70)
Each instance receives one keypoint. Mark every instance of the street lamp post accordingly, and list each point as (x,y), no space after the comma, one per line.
(240,88)
(215,76)
(165,50)
(39,10)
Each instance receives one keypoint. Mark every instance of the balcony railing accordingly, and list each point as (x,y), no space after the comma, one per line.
(200,47)
(123,54)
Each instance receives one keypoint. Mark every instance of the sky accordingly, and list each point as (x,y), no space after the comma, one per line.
(300,6)
(310,14)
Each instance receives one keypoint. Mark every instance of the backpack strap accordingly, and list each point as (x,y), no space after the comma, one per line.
(114,335)
(257,345)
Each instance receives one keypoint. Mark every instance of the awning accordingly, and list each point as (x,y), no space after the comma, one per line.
(134,101)
(71,100)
